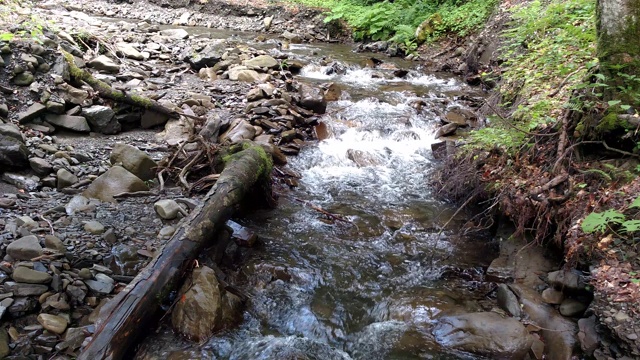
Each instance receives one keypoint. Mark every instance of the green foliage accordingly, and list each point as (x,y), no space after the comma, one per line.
(397,21)
(29,26)
(600,222)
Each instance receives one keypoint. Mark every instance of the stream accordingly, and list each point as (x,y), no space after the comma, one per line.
(369,288)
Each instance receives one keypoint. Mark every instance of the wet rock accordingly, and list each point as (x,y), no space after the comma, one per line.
(102,284)
(484,333)
(94,227)
(13,153)
(456,118)
(25,248)
(61,68)
(65,179)
(32,112)
(69,122)
(207,57)
(168,209)
(102,119)
(290,347)
(569,280)
(152,118)
(571,307)
(262,61)
(23,79)
(179,34)
(362,158)
(241,235)
(333,92)
(446,130)
(74,337)
(293,38)
(278,157)
(239,130)
(559,332)
(508,301)
(199,312)
(134,160)
(312,98)
(54,323)
(104,63)
(588,336)
(241,73)
(40,166)
(129,51)
(115,181)
(25,275)
(552,296)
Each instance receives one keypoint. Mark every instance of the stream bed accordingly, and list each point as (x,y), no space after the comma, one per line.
(371,287)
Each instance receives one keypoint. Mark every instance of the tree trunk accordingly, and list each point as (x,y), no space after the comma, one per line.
(618,29)
(130,313)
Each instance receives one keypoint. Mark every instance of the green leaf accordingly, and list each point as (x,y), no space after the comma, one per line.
(6,36)
(631,226)
(597,222)
(613,102)
(625,107)
(635,203)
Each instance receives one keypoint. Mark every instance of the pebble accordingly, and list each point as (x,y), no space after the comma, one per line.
(54,323)
(94,227)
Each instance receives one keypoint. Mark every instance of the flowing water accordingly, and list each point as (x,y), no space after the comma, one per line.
(368,289)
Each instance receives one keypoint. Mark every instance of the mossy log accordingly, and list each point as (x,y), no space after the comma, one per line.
(106,91)
(130,314)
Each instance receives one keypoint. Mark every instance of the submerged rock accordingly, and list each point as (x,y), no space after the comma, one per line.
(484,333)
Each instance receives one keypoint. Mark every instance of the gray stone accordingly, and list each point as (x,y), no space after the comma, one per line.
(571,307)
(11,130)
(14,154)
(168,209)
(207,57)
(4,110)
(152,118)
(69,122)
(312,98)
(239,130)
(508,301)
(102,284)
(102,119)
(569,280)
(23,79)
(485,333)
(65,179)
(26,222)
(54,323)
(56,106)
(74,337)
(134,160)
(293,38)
(104,63)
(115,181)
(25,248)
(72,95)
(4,340)
(61,68)
(262,61)
(129,51)
(54,243)
(23,289)
(25,275)
(446,130)
(552,296)
(40,166)
(179,34)
(588,336)
(85,274)
(32,112)
(28,183)
(94,227)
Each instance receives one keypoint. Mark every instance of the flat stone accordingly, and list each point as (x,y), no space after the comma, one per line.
(94,227)
(168,209)
(25,248)
(102,284)
(175,33)
(69,122)
(26,222)
(11,130)
(65,179)
(241,73)
(262,61)
(129,51)
(241,235)
(23,289)
(134,160)
(104,63)
(115,181)
(54,243)
(25,275)
(54,323)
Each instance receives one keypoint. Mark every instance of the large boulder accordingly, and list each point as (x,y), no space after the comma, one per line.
(102,119)
(115,181)
(484,333)
(25,248)
(203,307)
(242,73)
(261,61)
(134,160)
(312,98)
(13,153)
(207,57)
(69,122)
(104,63)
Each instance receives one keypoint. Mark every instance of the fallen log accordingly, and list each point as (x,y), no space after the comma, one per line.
(130,313)
(106,91)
